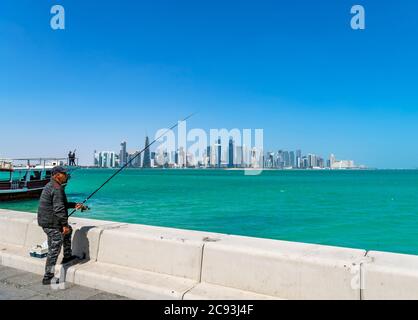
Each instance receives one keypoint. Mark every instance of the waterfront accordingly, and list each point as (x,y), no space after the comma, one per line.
(375,210)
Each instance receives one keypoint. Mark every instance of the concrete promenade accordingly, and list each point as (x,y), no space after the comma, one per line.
(147,262)
(20,285)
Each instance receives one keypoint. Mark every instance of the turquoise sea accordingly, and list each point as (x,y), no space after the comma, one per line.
(373,210)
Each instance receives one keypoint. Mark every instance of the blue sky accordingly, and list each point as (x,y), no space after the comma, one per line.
(294,68)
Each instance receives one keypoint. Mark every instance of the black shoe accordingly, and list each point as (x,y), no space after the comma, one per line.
(68,259)
(47,279)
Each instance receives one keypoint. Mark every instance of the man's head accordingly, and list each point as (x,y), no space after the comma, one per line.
(60,174)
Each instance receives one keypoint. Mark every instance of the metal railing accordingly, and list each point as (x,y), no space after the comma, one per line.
(33,162)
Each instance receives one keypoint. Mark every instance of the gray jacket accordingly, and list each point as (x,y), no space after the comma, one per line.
(53,206)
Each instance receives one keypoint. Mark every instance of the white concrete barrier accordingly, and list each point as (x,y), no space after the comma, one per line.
(145,262)
(13,231)
(390,276)
(13,227)
(279,269)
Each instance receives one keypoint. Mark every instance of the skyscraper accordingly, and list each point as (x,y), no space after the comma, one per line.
(147,157)
(305,162)
(299,158)
(286,159)
(96,159)
(106,159)
(231,153)
(176,158)
(246,156)
(292,159)
(123,155)
(239,156)
(219,155)
(269,162)
(279,159)
(320,162)
(135,159)
(152,159)
(331,160)
(208,155)
(312,160)
(182,160)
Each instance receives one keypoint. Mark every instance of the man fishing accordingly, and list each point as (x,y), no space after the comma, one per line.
(53,218)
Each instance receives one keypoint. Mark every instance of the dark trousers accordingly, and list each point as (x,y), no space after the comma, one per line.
(55,240)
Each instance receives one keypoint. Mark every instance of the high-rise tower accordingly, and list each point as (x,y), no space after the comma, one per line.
(147,157)
(219,155)
(123,155)
(231,154)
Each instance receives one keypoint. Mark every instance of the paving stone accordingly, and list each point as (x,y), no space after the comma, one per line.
(107,296)
(23,280)
(49,289)
(76,293)
(20,285)
(11,293)
(9,272)
(43,297)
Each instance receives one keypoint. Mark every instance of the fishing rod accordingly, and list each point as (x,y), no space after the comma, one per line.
(130,161)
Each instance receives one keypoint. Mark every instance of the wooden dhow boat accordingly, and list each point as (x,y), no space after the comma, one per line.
(26,178)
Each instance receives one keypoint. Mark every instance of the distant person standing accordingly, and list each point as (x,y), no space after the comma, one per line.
(73,159)
(53,218)
(70,157)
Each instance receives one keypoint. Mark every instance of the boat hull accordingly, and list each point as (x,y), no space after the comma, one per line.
(33,190)
(13,196)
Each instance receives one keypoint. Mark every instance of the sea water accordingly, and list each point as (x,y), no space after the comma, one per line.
(368,209)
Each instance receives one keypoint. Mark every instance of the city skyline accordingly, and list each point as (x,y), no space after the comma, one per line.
(219,156)
(302,75)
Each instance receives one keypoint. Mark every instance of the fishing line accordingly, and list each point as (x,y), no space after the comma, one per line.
(130,161)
